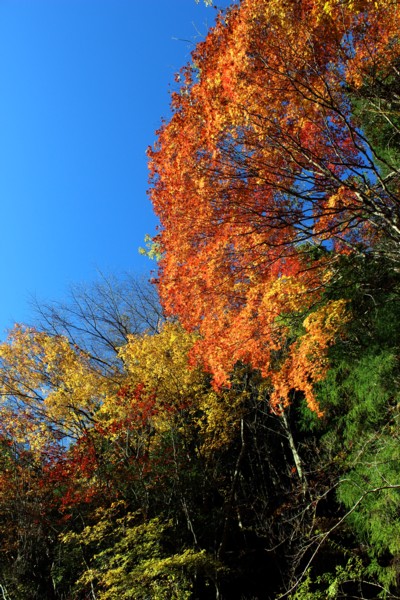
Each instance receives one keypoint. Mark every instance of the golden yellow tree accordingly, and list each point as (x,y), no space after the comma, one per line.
(49,388)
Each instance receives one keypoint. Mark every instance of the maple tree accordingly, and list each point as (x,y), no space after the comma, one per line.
(263,175)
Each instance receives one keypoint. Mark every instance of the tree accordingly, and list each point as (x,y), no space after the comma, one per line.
(355,529)
(29,521)
(78,439)
(263,176)
(98,318)
(128,558)
(49,388)
(57,465)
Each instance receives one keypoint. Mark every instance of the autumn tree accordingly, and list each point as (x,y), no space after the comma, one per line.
(50,391)
(264,175)
(56,461)
(182,461)
(48,388)
(148,448)
(276,182)
(77,439)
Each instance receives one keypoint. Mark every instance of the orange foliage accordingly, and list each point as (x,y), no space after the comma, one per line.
(261,159)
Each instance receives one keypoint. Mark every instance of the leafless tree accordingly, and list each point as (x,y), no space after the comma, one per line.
(99,317)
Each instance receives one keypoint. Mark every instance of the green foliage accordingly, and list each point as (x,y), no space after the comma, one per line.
(330,585)
(360,430)
(374,478)
(377,108)
(360,393)
(152,249)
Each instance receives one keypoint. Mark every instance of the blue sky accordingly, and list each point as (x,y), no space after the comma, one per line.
(83,87)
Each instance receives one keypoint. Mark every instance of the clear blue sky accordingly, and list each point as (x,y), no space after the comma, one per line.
(83,86)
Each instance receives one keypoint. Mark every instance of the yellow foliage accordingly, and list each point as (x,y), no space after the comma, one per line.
(162,365)
(307,361)
(46,384)
(130,561)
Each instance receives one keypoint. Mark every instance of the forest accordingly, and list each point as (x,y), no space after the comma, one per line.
(230,430)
